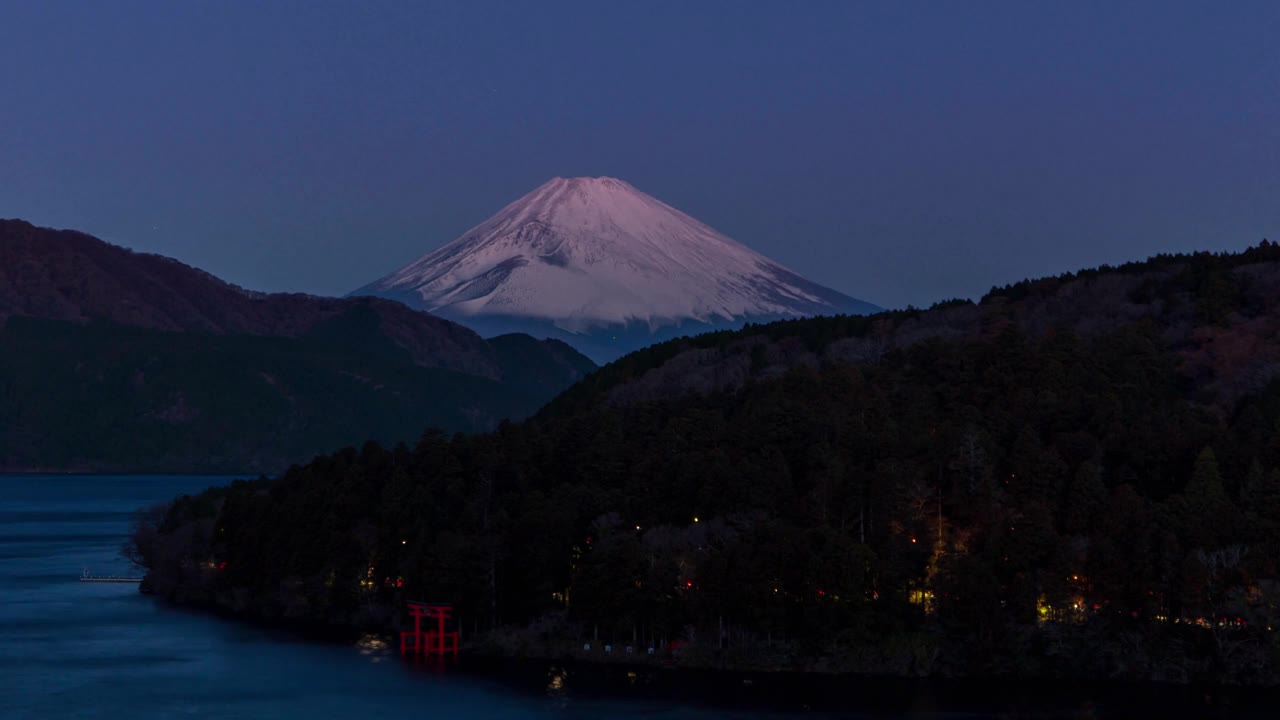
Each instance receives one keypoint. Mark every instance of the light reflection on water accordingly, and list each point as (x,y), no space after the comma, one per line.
(555,685)
(373,647)
(85,650)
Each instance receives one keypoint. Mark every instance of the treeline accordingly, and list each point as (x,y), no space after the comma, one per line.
(1035,505)
(1178,291)
(103,397)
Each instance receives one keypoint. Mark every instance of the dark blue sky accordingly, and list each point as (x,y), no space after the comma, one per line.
(901,152)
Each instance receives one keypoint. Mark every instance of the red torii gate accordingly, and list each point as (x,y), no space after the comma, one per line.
(426,642)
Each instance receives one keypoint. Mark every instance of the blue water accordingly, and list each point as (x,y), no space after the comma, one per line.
(86,650)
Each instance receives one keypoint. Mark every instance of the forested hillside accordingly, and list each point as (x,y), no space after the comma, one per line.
(1075,477)
(102,397)
(115,361)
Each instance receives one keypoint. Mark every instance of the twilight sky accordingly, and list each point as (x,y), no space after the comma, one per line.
(901,152)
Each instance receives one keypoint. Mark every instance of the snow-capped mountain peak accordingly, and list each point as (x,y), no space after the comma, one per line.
(594,255)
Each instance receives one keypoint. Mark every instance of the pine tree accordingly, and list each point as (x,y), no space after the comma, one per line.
(1203,511)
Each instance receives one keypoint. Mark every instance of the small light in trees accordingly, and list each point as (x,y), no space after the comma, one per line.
(404,542)
(913,540)
(695,518)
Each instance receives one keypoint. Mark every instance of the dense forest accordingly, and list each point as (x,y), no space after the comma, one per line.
(104,397)
(1075,477)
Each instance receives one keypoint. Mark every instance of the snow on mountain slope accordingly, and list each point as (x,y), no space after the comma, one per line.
(588,256)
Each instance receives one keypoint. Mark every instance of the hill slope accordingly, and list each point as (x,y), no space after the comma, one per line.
(1077,478)
(114,360)
(1217,315)
(71,276)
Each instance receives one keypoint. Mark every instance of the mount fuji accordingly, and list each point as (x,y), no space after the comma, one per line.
(606,268)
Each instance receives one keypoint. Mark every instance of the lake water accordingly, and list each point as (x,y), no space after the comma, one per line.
(85,650)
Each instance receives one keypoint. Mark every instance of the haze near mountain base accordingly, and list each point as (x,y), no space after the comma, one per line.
(606,268)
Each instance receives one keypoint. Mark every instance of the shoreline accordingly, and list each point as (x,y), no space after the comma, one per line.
(786,690)
(726,686)
(800,691)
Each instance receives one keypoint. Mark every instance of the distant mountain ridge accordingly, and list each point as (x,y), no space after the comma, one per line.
(116,360)
(605,267)
(72,276)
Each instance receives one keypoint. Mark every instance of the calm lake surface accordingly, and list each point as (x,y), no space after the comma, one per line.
(72,649)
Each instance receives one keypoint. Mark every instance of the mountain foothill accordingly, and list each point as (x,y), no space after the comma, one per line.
(113,360)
